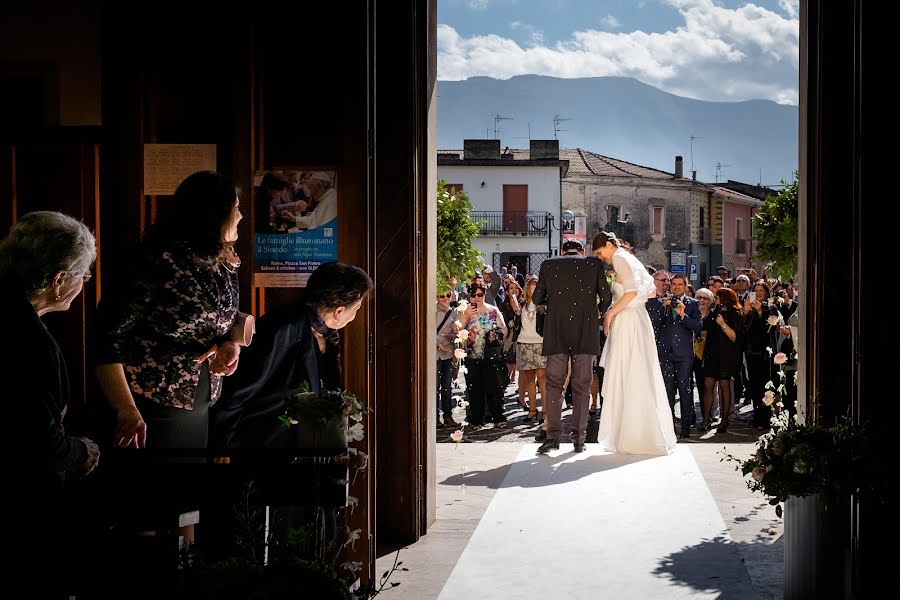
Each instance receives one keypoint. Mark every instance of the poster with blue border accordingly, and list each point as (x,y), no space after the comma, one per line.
(296,225)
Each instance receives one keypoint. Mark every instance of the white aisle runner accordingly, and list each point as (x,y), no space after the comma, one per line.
(598,525)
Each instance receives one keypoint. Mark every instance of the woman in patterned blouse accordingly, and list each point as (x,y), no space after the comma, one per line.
(167,338)
(485,368)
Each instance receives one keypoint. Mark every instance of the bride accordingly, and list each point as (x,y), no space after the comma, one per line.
(636,418)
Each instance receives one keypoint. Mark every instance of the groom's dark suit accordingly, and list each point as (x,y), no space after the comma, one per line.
(569,286)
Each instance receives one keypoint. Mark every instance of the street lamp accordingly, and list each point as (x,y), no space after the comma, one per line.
(548,225)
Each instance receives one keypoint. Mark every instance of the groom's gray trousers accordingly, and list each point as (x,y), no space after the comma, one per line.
(582,374)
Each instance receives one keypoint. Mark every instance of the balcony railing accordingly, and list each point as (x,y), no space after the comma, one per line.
(740,246)
(499,223)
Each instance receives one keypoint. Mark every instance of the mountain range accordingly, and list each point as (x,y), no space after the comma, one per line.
(754,141)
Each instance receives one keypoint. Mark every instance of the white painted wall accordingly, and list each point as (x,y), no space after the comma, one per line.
(542,182)
(543,196)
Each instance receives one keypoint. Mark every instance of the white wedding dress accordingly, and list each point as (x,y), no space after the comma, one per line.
(636,418)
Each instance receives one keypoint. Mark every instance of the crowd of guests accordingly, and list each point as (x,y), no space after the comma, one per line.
(176,363)
(720,340)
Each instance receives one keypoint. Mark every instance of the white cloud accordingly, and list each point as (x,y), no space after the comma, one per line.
(611,22)
(537,36)
(790,7)
(478,4)
(717,54)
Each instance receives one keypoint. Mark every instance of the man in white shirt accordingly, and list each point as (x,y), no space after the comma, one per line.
(321,187)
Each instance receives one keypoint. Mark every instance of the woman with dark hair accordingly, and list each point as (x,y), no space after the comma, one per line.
(722,354)
(762,323)
(485,368)
(636,418)
(167,338)
(293,345)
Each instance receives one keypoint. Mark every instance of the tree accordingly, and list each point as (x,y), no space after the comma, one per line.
(456,257)
(775,231)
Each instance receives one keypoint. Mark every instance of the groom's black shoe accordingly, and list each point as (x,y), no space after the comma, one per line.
(548,446)
(685,435)
(541,436)
(578,448)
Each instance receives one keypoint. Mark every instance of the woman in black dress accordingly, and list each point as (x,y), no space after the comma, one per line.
(722,354)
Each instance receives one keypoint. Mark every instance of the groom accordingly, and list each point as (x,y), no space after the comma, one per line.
(569,286)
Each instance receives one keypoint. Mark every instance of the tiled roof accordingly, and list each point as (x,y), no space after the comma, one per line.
(585,162)
(606,166)
(735,196)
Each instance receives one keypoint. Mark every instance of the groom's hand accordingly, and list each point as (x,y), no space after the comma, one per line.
(607,322)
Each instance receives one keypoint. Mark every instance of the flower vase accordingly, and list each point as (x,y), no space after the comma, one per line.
(328,433)
(816,559)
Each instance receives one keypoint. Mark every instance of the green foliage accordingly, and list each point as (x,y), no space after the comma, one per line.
(456,257)
(775,231)
(309,407)
(799,460)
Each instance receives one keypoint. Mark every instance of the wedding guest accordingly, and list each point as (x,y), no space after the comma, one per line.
(446,345)
(530,362)
(485,369)
(511,309)
(705,300)
(167,337)
(293,345)
(762,323)
(722,354)
(44,263)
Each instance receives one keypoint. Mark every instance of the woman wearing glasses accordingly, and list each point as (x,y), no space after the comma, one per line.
(705,299)
(485,367)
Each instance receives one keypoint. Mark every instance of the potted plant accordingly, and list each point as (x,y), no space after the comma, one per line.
(322,419)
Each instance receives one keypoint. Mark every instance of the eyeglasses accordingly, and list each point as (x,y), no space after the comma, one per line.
(702,299)
(663,280)
(445,296)
(478,295)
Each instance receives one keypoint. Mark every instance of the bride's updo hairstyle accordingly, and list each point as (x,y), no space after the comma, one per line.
(604,237)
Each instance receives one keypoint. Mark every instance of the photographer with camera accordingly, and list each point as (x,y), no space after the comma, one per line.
(676,320)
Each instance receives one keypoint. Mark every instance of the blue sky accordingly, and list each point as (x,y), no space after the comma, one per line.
(706,49)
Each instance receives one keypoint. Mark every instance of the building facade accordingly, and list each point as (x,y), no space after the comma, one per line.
(649,208)
(516,198)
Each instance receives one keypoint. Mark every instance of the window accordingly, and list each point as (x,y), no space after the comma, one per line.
(702,217)
(657,220)
(739,228)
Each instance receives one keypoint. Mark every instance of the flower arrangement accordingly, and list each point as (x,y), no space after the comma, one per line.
(304,406)
(797,460)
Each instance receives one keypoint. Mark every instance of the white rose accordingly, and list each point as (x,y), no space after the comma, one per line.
(780,358)
(769,398)
(772,320)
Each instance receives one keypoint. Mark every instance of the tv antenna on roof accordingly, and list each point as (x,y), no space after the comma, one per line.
(497,119)
(719,170)
(693,137)
(556,121)
(521,137)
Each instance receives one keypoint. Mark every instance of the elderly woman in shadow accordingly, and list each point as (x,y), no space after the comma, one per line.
(44,262)
(293,345)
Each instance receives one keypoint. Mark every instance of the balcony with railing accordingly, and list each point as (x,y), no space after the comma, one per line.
(740,246)
(502,224)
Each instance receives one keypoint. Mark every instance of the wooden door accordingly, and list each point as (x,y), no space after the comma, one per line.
(515,208)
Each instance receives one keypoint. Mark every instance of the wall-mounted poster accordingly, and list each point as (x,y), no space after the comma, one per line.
(296,225)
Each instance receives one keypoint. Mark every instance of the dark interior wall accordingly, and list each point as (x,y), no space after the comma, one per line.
(50,64)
